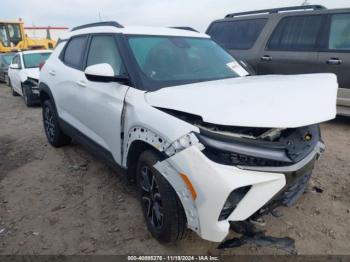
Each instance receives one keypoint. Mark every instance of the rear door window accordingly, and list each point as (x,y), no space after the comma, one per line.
(240,34)
(298,33)
(339,35)
(74,52)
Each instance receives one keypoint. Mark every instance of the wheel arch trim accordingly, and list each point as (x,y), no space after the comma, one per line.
(152,140)
(44,89)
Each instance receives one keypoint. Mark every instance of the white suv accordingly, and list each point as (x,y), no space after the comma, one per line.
(207,144)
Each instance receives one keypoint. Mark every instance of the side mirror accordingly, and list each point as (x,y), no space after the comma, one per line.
(14,66)
(103,73)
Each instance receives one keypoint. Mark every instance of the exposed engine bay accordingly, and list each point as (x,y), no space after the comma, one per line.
(251,146)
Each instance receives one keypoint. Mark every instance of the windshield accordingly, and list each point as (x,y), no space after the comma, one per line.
(35,59)
(10,34)
(168,61)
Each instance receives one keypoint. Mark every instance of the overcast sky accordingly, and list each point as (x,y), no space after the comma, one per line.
(195,13)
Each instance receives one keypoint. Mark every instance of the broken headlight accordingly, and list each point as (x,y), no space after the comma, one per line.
(282,148)
(238,159)
(237,153)
(181,144)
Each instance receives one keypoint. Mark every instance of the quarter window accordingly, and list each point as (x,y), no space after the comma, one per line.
(237,34)
(74,52)
(339,36)
(103,49)
(297,33)
(17,61)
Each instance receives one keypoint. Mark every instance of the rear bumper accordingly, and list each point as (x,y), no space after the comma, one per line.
(343,110)
(214,182)
(343,102)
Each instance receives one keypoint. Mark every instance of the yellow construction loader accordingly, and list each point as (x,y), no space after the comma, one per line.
(13,38)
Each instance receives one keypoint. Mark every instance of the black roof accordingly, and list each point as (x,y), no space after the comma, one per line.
(107,23)
(185,28)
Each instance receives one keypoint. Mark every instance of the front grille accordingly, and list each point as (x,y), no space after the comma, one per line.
(236,159)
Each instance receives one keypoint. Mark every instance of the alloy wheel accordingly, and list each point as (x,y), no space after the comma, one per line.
(151,198)
(49,123)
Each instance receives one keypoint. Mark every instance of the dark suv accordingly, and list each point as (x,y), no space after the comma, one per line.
(293,40)
(5,61)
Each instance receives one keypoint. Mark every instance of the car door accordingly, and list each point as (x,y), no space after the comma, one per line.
(64,73)
(15,74)
(293,46)
(101,103)
(335,54)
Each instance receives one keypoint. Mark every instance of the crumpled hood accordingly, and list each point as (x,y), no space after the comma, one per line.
(272,101)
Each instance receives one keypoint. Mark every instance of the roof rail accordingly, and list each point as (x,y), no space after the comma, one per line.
(107,23)
(278,10)
(185,28)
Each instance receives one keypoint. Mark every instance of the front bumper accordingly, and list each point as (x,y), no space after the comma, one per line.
(34,94)
(214,182)
(32,88)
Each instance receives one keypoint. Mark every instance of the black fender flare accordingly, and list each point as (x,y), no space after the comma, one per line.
(45,93)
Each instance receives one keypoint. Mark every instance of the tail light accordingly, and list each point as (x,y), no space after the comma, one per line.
(41,65)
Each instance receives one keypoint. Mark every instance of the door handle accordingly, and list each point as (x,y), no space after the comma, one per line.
(52,72)
(266,58)
(81,83)
(334,61)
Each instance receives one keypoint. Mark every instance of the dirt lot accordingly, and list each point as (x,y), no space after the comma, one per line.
(65,201)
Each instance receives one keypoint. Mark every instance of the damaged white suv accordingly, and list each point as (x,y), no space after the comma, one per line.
(207,144)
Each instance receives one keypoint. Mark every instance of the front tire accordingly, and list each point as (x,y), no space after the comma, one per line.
(53,132)
(14,93)
(162,209)
(26,96)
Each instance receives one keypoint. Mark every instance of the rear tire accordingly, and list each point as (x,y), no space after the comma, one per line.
(53,132)
(162,209)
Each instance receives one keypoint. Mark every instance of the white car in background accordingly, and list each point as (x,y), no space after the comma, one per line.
(23,74)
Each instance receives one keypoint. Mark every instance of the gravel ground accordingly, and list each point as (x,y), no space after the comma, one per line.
(65,201)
